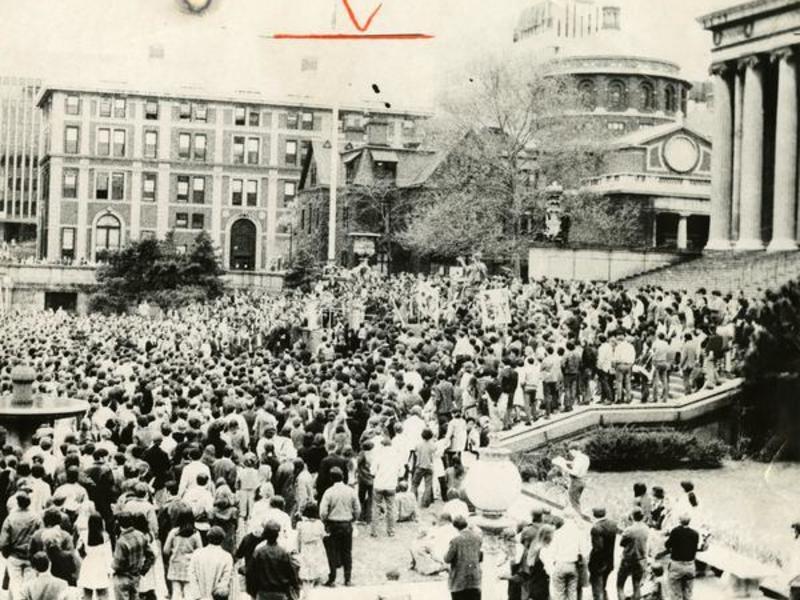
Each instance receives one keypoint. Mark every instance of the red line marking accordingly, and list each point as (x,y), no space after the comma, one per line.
(352,36)
(353,18)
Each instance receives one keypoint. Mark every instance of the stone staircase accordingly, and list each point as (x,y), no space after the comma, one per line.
(724,271)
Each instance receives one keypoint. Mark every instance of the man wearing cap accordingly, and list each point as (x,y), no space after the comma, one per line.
(682,544)
(601,558)
(272,573)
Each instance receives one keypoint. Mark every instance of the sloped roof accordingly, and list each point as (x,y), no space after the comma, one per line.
(648,134)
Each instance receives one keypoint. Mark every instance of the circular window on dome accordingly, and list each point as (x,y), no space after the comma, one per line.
(681,153)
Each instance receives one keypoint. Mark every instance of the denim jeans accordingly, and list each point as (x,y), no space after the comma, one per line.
(564,582)
(421,475)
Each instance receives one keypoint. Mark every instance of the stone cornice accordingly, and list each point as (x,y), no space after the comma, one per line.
(745,10)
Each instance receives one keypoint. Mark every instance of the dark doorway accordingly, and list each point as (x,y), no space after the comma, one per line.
(67,301)
(243,246)
(667,231)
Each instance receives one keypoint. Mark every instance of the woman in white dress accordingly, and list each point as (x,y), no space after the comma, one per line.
(95,575)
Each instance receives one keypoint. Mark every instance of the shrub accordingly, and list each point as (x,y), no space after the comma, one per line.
(624,449)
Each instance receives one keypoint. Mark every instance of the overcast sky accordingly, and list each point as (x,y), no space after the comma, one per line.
(228,47)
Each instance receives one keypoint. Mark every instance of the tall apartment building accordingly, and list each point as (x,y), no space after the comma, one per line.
(20,127)
(124,164)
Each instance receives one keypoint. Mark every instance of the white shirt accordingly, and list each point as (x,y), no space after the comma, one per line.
(387,467)
(605,357)
(625,353)
(579,465)
(189,475)
(568,542)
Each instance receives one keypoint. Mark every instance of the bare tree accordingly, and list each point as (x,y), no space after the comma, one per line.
(509,127)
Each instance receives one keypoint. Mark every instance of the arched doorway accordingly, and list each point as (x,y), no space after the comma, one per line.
(243,246)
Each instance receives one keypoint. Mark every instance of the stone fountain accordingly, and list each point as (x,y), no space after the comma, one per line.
(22,412)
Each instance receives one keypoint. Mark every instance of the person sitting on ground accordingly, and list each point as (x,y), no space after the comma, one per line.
(406,504)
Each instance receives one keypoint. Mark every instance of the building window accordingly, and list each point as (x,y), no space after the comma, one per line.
(200,112)
(71,139)
(239,115)
(308,121)
(119,143)
(73,105)
(305,149)
(103,142)
(292,120)
(236,192)
(185,111)
(610,17)
(200,143)
(69,189)
(119,108)
(184,145)
(252,192)
(198,220)
(647,96)
(149,187)
(252,150)
(670,99)
(181,220)
(238,150)
(254,118)
(68,243)
(616,126)
(587,95)
(105,107)
(151,144)
(183,189)
(101,187)
(289,192)
(118,186)
(291,152)
(303,220)
(151,110)
(616,96)
(198,190)
(107,235)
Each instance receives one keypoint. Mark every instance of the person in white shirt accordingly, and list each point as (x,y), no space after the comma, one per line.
(192,470)
(563,557)
(624,358)
(529,381)
(387,468)
(576,468)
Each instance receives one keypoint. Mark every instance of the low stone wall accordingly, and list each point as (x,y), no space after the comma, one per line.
(595,265)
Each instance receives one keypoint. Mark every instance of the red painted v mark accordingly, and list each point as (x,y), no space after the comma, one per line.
(354,19)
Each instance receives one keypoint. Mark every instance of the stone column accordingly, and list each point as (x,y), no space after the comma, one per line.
(721,160)
(752,156)
(738,106)
(785,195)
(683,231)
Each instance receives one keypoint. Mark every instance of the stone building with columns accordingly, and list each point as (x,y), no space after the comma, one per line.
(123,163)
(754,195)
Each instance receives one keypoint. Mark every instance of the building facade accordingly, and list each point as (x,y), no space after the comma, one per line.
(665,170)
(20,129)
(124,164)
(754,198)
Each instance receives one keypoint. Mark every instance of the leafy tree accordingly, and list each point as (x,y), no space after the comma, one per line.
(155,271)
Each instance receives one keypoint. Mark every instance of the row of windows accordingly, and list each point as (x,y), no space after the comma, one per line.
(617,96)
(111,186)
(182,220)
(113,142)
(187,111)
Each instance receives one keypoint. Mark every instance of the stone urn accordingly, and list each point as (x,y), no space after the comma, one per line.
(22,378)
(493,484)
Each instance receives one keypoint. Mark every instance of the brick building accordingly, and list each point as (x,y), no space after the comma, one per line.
(122,163)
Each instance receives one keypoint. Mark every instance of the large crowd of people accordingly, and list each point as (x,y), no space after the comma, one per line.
(231,447)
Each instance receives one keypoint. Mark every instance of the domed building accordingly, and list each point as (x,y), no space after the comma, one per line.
(588,40)
(655,166)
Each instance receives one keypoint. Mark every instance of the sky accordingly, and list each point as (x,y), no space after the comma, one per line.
(229,47)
